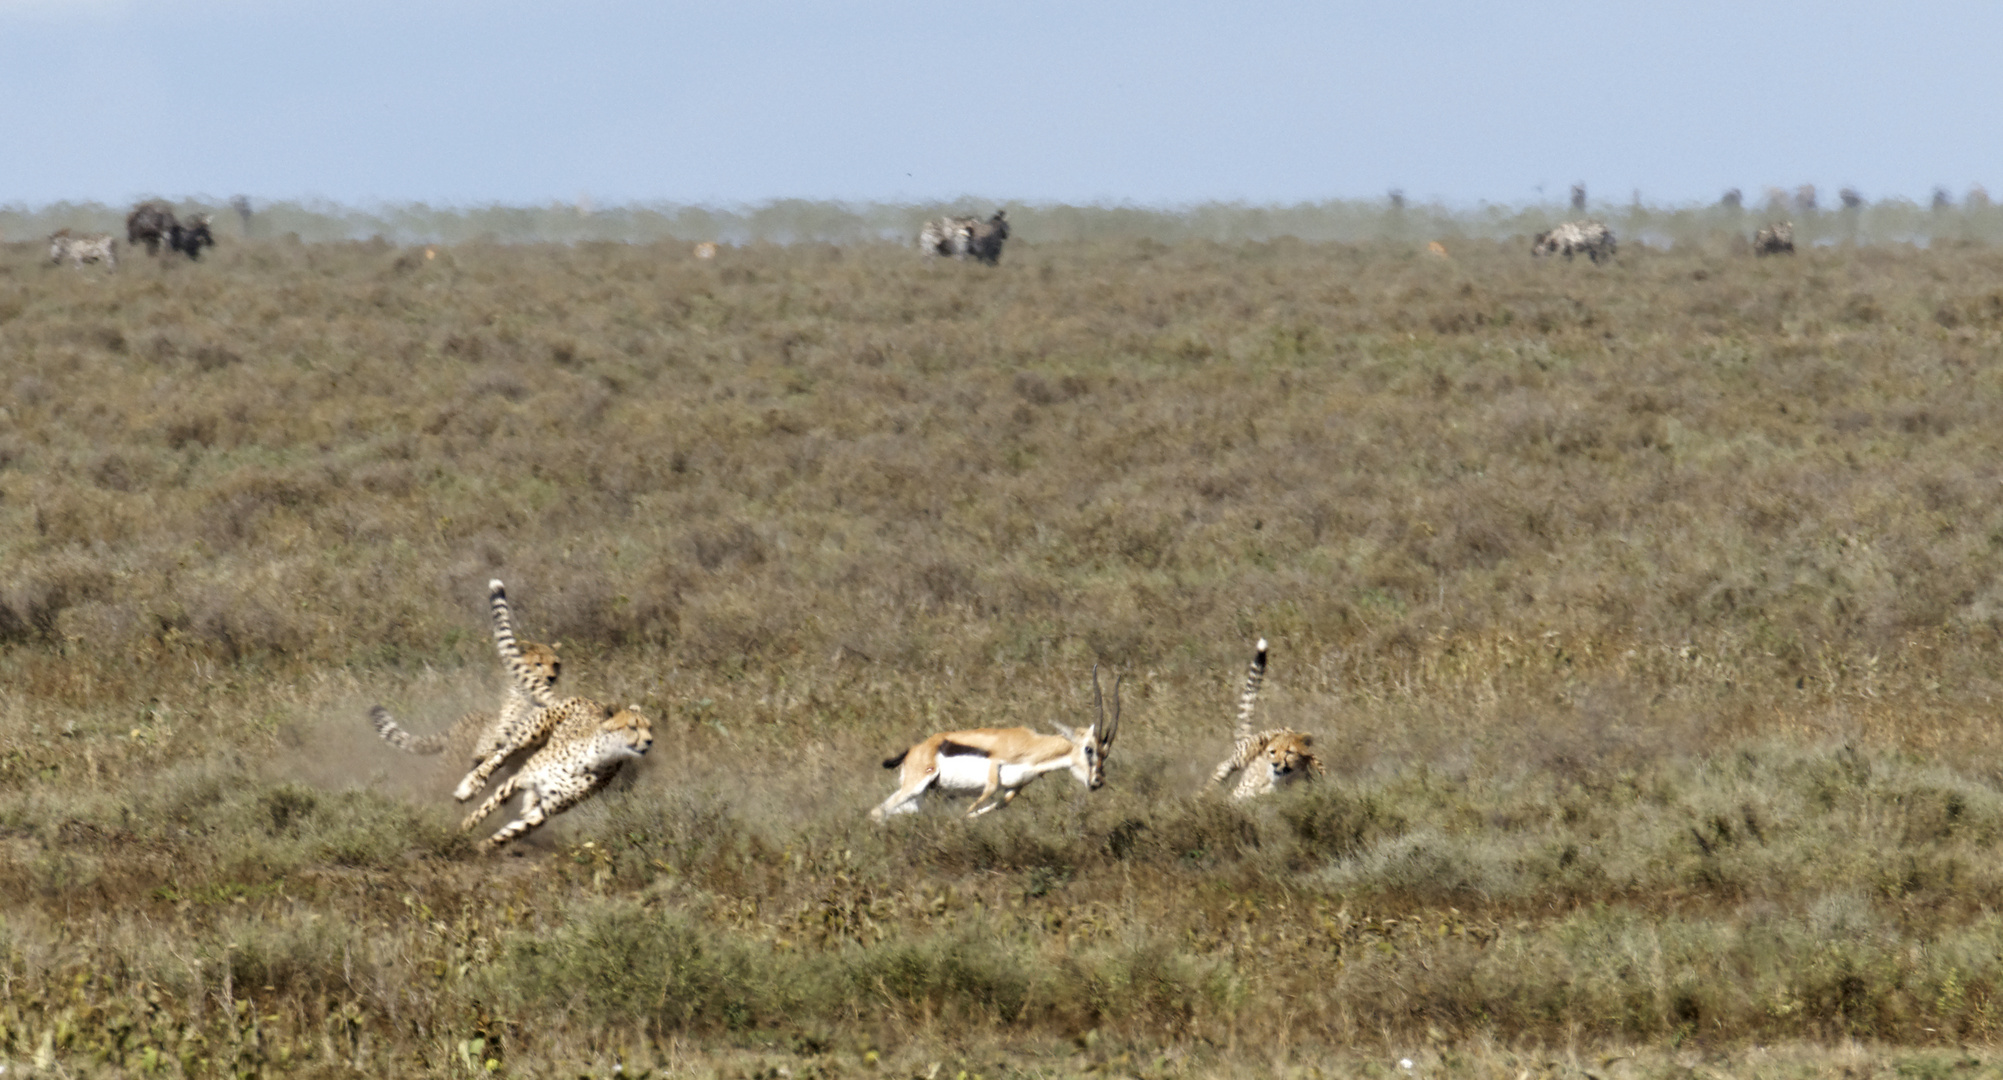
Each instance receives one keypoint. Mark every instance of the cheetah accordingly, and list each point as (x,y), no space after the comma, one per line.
(585,742)
(1270,758)
(588,744)
(521,724)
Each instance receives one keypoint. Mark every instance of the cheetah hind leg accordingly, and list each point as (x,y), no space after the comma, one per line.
(536,810)
(533,814)
(501,794)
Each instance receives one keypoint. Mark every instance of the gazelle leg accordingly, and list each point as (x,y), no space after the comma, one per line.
(902,801)
(994,781)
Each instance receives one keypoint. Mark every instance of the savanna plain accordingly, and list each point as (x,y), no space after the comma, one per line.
(1647,616)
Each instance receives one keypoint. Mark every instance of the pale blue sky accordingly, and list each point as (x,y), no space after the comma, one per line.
(1153,103)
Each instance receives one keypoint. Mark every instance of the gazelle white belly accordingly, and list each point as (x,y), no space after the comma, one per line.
(969,772)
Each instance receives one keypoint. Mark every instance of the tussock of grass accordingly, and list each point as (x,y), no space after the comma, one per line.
(1644,614)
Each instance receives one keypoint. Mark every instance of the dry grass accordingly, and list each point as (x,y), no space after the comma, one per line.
(1645,614)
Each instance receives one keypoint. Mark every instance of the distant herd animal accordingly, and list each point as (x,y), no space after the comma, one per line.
(150,224)
(966,238)
(1775,239)
(80,250)
(1589,238)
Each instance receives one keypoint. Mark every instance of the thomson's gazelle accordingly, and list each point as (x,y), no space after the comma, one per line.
(1002,759)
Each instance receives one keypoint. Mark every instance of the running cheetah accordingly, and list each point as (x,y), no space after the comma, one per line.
(1270,758)
(587,741)
(532,671)
(587,745)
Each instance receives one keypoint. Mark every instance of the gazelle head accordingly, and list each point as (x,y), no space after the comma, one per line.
(1090,747)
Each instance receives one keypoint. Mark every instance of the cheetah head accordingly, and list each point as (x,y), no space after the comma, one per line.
(630,730)
(1292,753)
(542,660)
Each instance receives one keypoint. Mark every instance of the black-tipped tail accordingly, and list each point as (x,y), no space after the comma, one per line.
(892,763)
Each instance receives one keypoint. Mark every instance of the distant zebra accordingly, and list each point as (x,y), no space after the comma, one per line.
(1775,239)
(83,249)
(1589,238)
(949,236)
(966,238)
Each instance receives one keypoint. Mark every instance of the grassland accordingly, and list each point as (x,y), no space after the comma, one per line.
(1647,616)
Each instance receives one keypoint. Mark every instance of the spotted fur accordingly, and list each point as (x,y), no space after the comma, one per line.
(1775,239)
(1589,238)
(486,733)
(83,249)
(1272,758)
(523,721)
(534,723)
(588,744)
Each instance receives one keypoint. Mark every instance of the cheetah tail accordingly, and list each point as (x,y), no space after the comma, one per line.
(396,736)
(510,649)
(1254,676)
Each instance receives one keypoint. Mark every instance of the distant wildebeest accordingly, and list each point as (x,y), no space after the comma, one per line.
(1578,196)
(241,204)
(1852,198)
(190,239)
(985,243)
(1733,199)
(1804,198)
(1590,238)
(1775,239)
(1942,200)
(149,223)
(966,238)
(83,249)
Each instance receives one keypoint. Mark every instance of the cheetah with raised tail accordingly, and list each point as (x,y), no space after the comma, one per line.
(1271,758)
(532,668)
(587,741)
